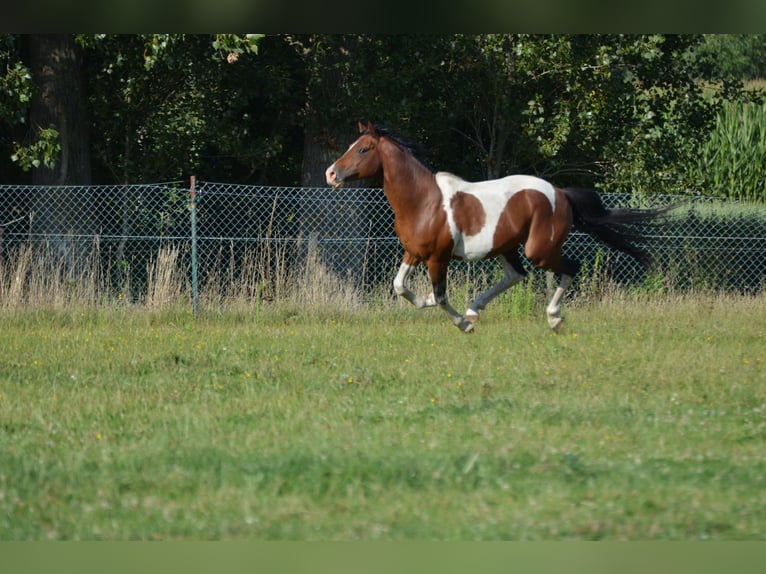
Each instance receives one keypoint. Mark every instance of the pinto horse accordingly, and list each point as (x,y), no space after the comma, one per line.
(440,217)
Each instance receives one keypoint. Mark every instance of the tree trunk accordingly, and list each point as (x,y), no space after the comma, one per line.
(56,64)
(333,222)
(57,70)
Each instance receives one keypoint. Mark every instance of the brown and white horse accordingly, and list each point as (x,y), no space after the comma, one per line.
(440,217)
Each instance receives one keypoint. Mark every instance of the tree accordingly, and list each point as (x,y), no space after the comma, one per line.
(56,64)
(155,102)
(726,56)
(621,112)
(167,106)
(25,146)
(626,113)
(58,103)
(164,101)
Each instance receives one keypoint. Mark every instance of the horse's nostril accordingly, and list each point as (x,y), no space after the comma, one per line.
(330,174)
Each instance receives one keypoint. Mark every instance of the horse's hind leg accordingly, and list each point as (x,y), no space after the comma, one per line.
(553,310)
(437,270)
(513,272)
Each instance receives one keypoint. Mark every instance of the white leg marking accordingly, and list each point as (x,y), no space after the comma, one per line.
(554,307)
(429,301)
(401,289)
(400,282)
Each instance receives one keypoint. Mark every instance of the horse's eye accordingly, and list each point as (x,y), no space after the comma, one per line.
(363,150)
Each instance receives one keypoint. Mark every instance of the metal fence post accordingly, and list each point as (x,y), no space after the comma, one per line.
(193,221)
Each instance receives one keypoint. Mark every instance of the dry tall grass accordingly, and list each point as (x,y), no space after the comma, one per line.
(167,285)
(37,276)
(249,278)
(34,275)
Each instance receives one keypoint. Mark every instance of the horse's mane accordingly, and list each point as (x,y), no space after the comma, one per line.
(409,145)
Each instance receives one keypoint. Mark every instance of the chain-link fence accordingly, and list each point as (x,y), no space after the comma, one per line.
(252,240)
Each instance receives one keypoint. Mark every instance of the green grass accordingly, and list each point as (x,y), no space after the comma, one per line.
(642,420)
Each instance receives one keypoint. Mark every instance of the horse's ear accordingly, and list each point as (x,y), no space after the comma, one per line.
(362,127)
(371,129)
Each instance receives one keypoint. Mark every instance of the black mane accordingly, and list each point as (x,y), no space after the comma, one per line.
(409,145)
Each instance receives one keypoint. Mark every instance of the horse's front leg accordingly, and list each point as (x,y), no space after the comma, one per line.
(409,263)
(437,270)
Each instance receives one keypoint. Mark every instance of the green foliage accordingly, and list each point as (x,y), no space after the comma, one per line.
(733,159)
(15,91)
(621,112)
(44,151)
(173,105)
(722,56)
(231,46)
(37,146)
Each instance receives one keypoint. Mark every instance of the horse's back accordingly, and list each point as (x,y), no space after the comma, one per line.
(504,187)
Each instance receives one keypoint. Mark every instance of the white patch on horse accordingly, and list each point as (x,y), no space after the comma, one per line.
(493,195)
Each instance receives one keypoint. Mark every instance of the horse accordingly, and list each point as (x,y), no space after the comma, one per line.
(439,217)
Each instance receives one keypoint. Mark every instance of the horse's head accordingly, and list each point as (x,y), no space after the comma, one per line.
(361,160)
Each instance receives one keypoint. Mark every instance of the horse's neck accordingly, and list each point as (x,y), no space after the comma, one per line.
(407,183)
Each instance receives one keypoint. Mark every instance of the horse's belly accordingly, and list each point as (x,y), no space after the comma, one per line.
(473,247)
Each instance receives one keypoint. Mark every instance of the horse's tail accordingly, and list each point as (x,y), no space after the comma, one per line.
(615,227)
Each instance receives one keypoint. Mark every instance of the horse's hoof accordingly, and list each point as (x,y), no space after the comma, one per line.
(556,323)
(466,325)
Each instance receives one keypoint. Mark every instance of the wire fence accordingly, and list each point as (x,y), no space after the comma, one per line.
(253,234)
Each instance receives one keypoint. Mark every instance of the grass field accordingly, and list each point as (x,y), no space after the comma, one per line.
(642,420)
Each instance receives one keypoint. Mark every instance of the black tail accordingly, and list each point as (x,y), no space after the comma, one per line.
(615,227)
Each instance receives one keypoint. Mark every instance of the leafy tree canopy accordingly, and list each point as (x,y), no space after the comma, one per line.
(624,112)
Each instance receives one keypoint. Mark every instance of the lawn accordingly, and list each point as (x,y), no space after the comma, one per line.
(642,420)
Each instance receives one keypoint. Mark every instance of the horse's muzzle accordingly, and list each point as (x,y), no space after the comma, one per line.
(331,175)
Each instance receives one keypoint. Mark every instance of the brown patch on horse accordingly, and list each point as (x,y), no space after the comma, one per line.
(542,231)
(513,225)
(468,213)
